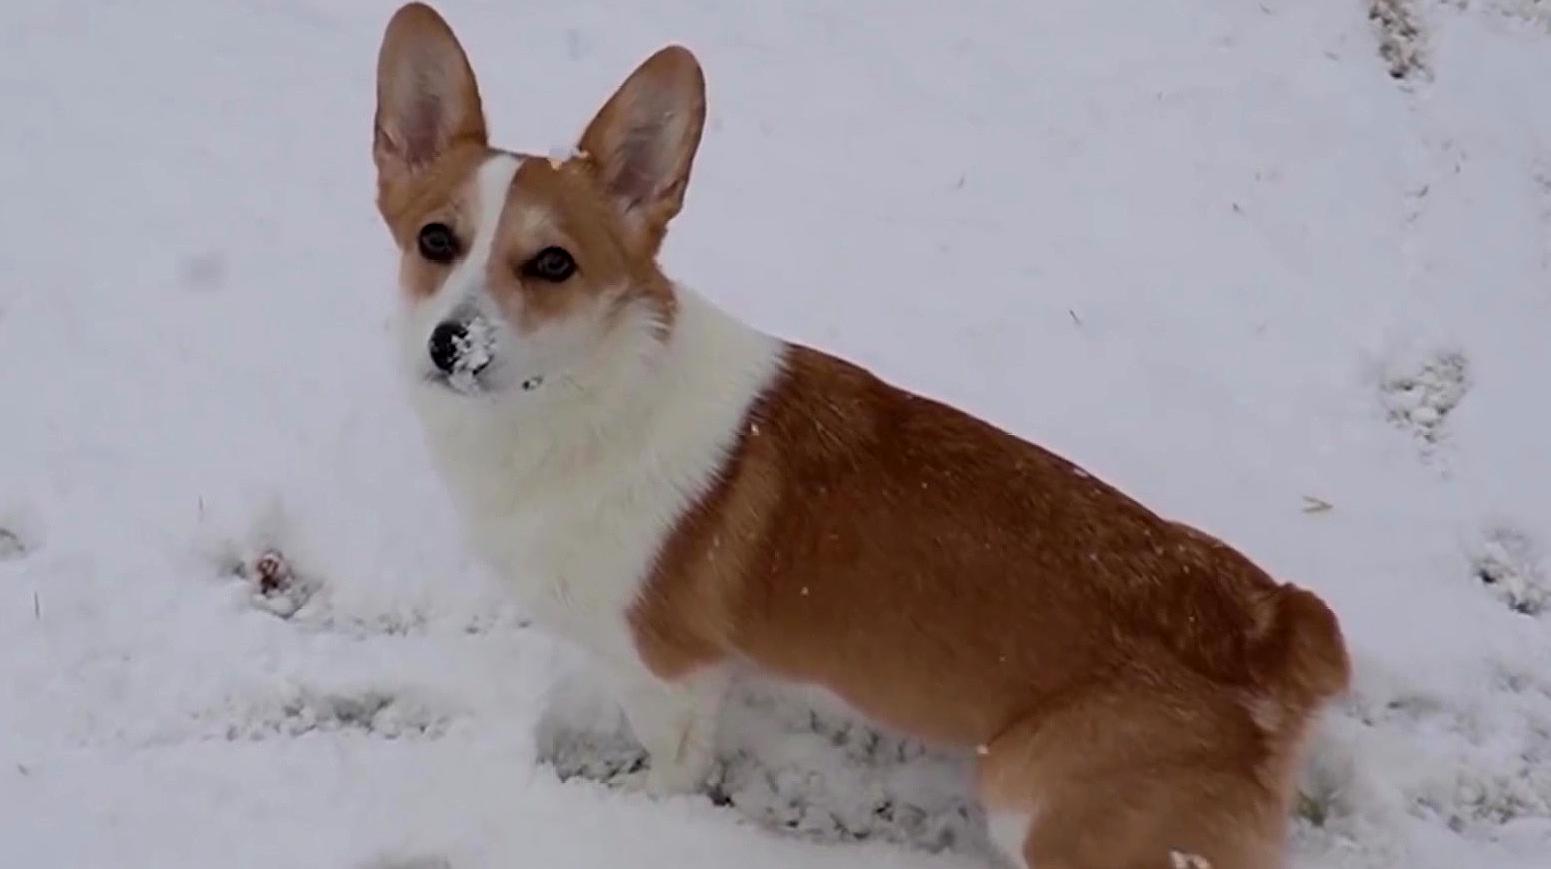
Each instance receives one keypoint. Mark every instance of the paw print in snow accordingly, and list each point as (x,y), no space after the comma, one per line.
(1402,40)
(1506,564)
(1422,401)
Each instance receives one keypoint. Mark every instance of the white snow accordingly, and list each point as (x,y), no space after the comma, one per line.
(474,345)
(473,352)
(1198,247)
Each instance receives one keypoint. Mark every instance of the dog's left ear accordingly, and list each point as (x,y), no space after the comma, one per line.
(643,141)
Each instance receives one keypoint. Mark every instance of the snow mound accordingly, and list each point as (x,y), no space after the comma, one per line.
(791,760)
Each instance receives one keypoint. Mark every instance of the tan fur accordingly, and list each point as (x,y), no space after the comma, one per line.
(428,103)
(547,205)
(440,193)
(560,205)
(957,583)
(429,141)
(621,141)
(1137,687)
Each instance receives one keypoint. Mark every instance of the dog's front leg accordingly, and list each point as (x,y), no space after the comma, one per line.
(676,722)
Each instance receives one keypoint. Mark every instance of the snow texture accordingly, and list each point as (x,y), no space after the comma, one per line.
(474,345)
(1209,250)
(11,546)
(472,353)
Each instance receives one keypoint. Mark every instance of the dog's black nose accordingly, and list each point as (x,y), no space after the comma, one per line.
(446,345)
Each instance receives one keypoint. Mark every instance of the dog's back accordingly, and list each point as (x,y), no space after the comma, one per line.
(958,583)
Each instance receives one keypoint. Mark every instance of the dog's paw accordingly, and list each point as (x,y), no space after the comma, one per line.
(660,781)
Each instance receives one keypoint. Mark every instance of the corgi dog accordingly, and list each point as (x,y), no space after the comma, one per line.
(684,496)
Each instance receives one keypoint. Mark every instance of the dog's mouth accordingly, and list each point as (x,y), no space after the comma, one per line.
(464,382)
(473,382)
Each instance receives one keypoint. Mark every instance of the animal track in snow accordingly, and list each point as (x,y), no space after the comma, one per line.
(794,766)
(368,712)
(278,573)
(1528,10)
(1421,401)
(1402,40)
(410,621)
(1491,773)
(1509,567)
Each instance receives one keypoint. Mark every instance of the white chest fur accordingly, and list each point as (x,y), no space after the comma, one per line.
(570,496)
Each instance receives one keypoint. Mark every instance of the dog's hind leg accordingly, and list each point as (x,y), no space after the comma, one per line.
(1130,780)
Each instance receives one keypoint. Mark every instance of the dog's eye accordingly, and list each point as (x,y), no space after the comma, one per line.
(437,243)
(551,264)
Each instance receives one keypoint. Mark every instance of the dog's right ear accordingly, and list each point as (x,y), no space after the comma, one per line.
(427,99)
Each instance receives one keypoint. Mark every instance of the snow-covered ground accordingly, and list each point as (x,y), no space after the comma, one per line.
(1213,251)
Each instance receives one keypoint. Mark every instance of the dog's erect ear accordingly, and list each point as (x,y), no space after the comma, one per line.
(427,100)
(643,140)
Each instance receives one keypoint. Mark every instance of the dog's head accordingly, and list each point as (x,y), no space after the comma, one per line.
(528,279)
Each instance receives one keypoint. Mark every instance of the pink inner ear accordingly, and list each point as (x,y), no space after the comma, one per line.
(632,178)
(427,99)
(644,149)
(421,139)
(644,138)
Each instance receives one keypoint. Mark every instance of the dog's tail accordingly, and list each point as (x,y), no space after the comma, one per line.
(1298,652)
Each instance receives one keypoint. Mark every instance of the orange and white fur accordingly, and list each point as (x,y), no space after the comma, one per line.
(681,495)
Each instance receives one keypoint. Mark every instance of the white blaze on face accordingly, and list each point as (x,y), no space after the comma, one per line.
(490,187)
(464,287)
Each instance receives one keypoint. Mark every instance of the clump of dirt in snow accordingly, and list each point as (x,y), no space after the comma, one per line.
(1402,42)
(277,587)
(1421,401)
(1506,564)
